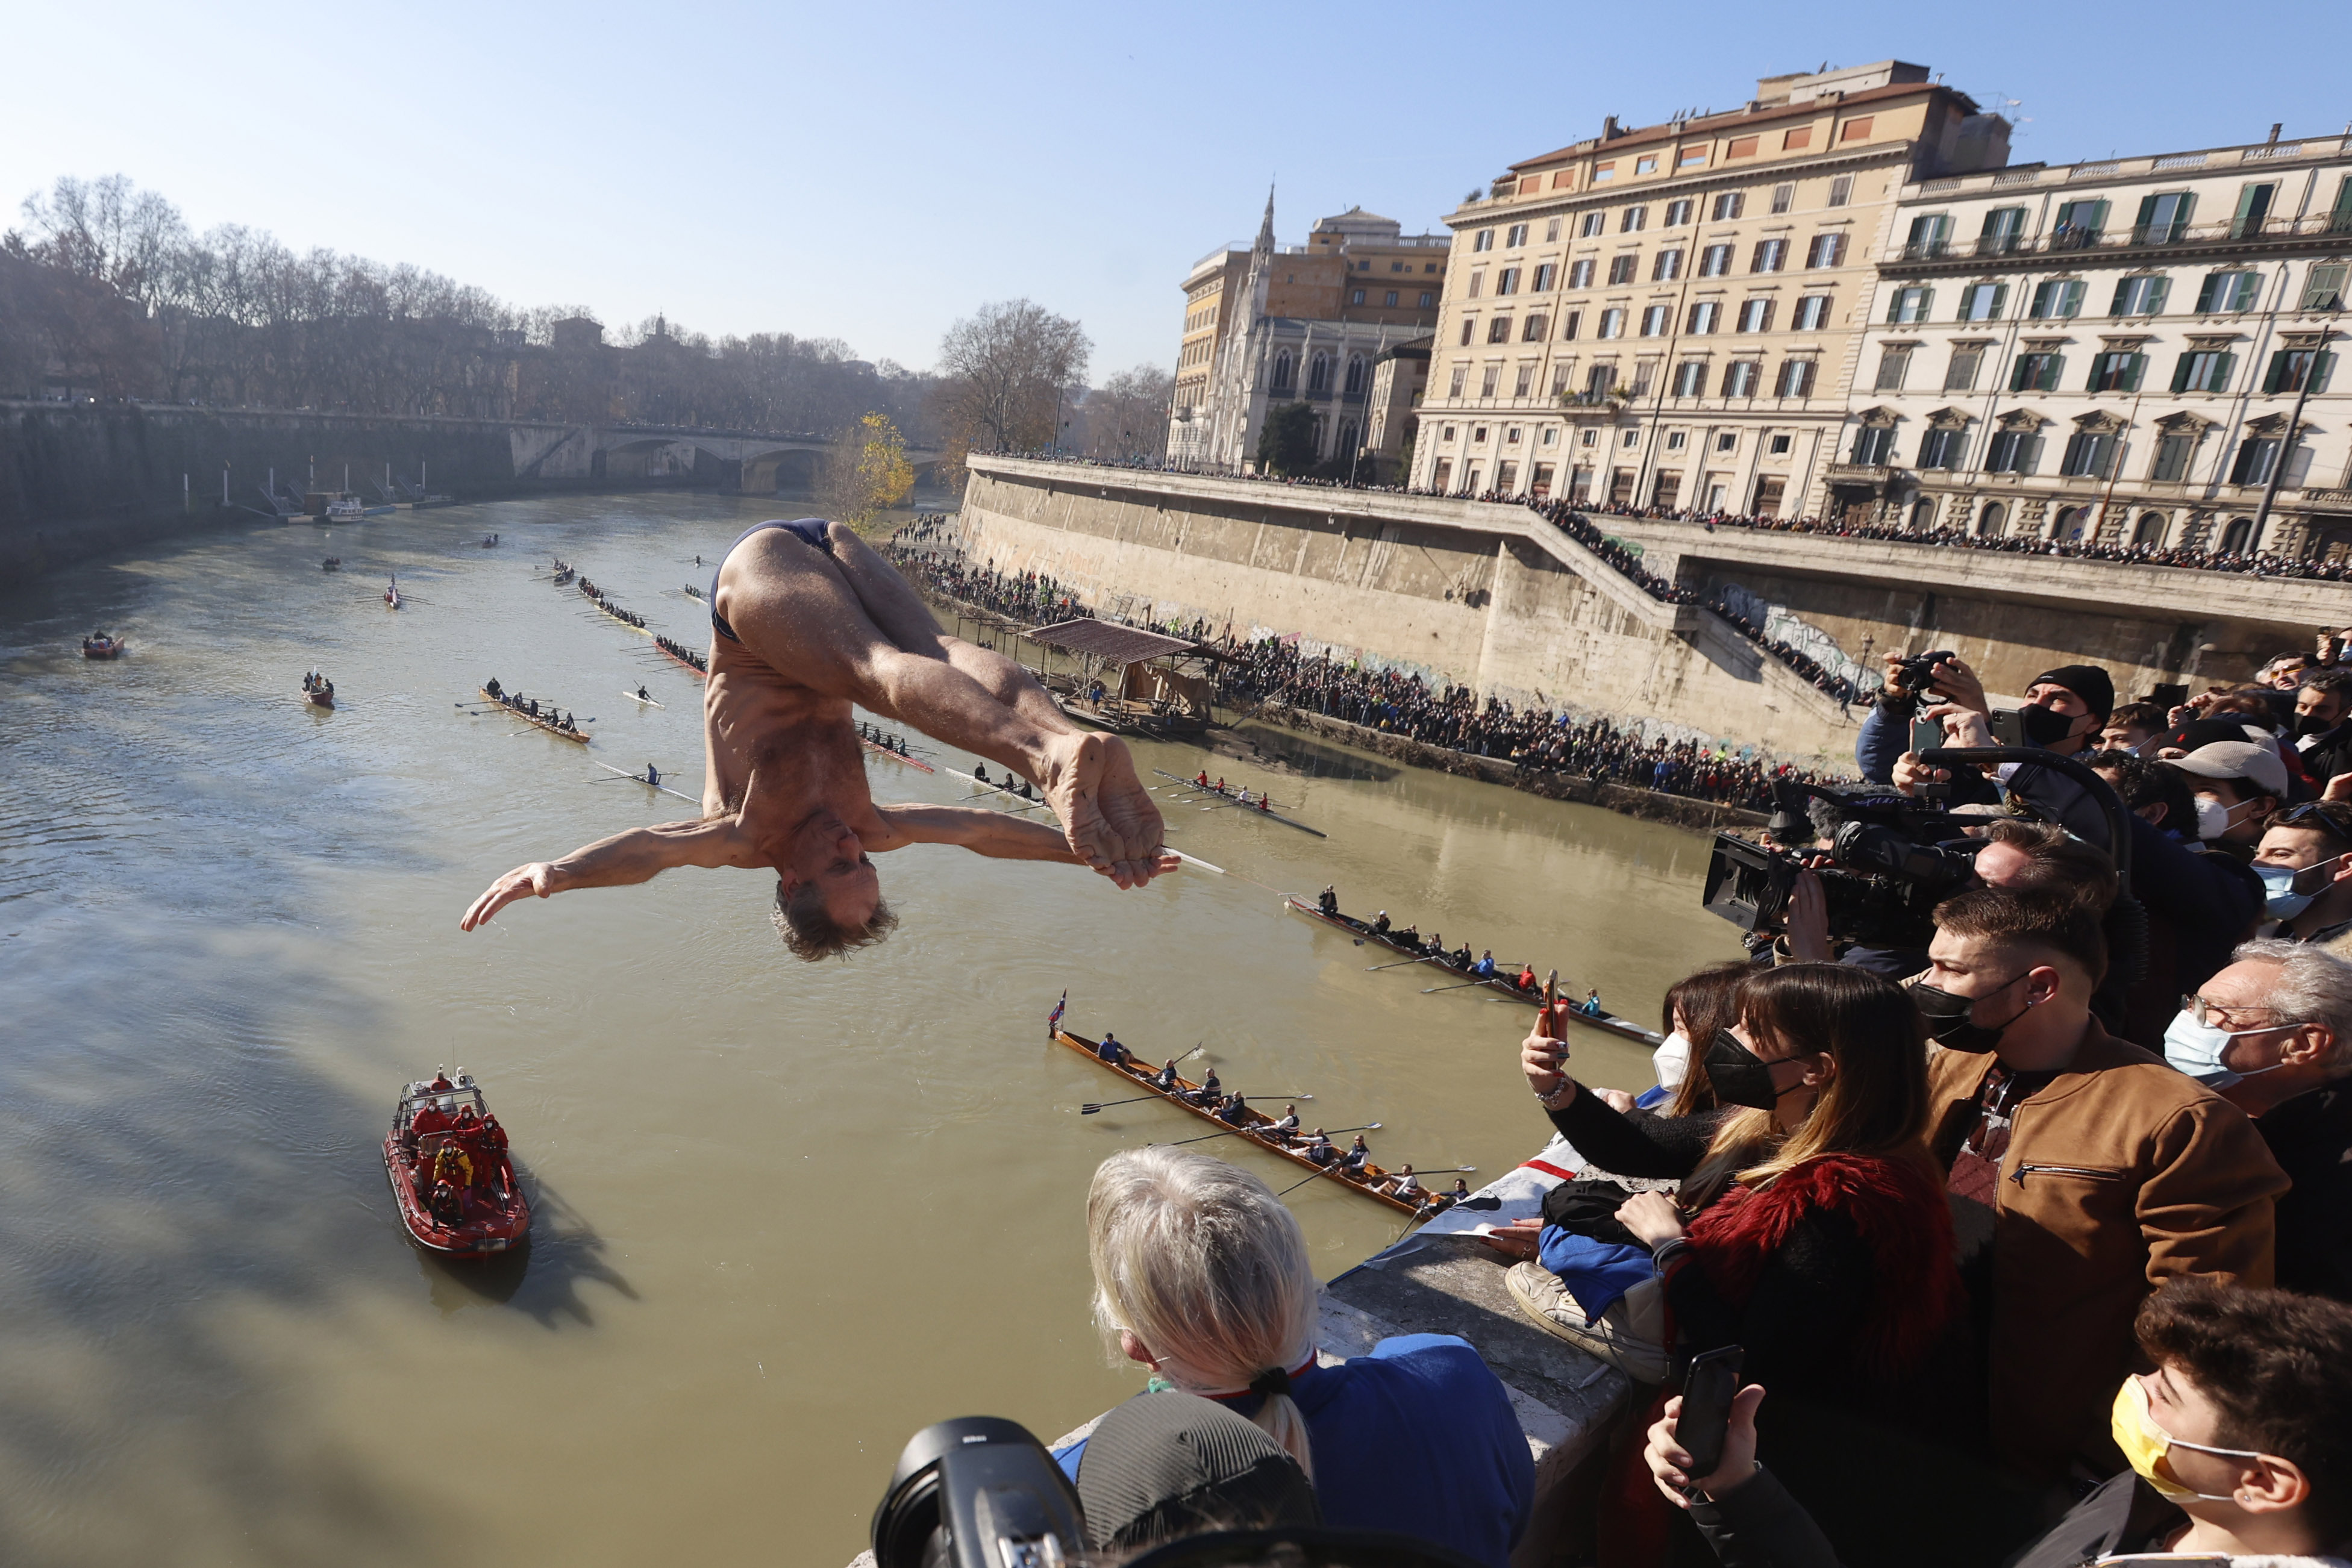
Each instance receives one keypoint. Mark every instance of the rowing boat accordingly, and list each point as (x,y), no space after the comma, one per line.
(648,783)
(997,788)
(881,750)
(1354,1182)
(1253,810)
(317,696)
(649,702)
(697,670)
(1607,1022)
(102,647)
(548,725)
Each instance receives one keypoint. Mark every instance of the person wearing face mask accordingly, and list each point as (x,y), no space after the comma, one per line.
(2322,724)
(2135,727)
(2272,1035)
(2082,1170)
(2304,862)
(1811,1230)
(2064,712)
(2240,1444)
(2239,784)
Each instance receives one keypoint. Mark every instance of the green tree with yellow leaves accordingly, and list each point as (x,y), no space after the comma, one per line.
(865,471)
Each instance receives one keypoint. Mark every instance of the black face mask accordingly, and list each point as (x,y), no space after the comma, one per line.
(2044,726)
(1738,1076)
(2312,724)
(1950,1023)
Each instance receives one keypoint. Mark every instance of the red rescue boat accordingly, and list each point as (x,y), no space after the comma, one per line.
(445,1157)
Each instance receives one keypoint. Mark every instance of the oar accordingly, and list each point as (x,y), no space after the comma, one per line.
(1463,987)
(1366,1127)
(1097,1110)
(1400,964)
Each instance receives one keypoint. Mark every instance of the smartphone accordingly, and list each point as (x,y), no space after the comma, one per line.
(1926,734)
(1708,1389)
(2007,728)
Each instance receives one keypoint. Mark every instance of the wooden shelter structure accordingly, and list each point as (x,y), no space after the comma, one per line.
(1131,680)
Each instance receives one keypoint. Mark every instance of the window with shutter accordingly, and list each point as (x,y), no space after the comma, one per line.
(1690,379)
(2088,455)
(2003,231)
(1524,383)
(1538,326)
(2172,454)
(1547,274)
(1620,267)
(1770,256)
(1655,319)
(1667,267)
(2340,217)
(2163,219)
(1705,315)
(1840,189)
(2139,295)
(1960,372)
(1498,330)
(2323,287)
(1894,364)
(1943,448)
(2253,210)
(1728,205)
(1593,223)
(1715,261)
(1633,220)
(1739,378)
(1469,325)
(1872,445)
(2256,457)
(1579,273)
(1982,301)
(1569,323)
(1783,197)
(1494,374)
(1461,378)
(1812,313)
(2290,368)
(1678,214)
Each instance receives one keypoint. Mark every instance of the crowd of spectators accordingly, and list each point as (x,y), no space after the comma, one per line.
(2025,1231)
(1272,670)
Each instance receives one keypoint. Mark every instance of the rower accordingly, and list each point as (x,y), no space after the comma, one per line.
(1165,1079)
(1592,1008)
(644,695)
(1461,1192)
(1484,967)
(1406,1185)
(653,775)
(1461,956)
(1110,1050)
(1203,780)
(1234,1112)
(1211,1091)
(1265,802)
(1410,936)
(1220,783)
(1357,1154)
(980,772)
(1435,946)
(1381,924)
(1318,1148)
(1285,1125)
(1527,980)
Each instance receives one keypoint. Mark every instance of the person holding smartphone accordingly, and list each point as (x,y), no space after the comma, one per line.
(1810,1229)
(2240,1443)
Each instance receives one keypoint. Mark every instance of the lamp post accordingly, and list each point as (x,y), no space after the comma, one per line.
(2287,442)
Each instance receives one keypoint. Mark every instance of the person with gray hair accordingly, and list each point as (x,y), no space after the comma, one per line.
(1204,1276)
(2272,1034)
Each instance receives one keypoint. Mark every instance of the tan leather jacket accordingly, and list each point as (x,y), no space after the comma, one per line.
(2121,1174)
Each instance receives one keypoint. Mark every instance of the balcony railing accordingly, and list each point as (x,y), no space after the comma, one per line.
(2067,238)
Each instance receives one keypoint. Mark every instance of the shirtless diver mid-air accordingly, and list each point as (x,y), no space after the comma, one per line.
(806,621)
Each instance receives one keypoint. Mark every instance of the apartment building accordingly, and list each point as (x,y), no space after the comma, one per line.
(1668,316)
(2114,350)
(1266,324)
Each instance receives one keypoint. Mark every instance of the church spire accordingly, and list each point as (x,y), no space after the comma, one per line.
(1264,245)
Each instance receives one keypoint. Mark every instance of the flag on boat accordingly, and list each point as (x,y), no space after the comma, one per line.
(1054,1018)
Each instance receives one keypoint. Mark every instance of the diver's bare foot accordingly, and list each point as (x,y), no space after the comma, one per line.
(1108,816)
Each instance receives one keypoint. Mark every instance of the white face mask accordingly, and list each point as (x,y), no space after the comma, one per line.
(1672,1060)
(2214,819)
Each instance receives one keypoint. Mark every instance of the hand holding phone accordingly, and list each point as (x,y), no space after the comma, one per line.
(1705,1419)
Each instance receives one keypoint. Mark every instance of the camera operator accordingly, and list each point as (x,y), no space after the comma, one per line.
(2082,1171)
(2272,1035)
(2240,1443)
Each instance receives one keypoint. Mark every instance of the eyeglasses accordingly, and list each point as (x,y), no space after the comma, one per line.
(2208,1013)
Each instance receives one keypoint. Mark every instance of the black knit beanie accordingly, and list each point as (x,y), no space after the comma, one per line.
(2085,680)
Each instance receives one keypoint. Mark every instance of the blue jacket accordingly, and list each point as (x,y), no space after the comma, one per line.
(1419,1438)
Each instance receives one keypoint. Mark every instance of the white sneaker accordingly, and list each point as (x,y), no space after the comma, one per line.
(1546,1299)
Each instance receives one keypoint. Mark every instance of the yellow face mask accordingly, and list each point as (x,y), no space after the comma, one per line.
(2144,1444)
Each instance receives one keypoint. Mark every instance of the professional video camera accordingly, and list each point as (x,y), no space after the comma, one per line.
(1893,859)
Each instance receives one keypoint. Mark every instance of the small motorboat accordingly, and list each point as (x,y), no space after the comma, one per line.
(332,563)
(99,645)
(319,691)
(346,509)
(392,594)
(491,542)
(446,1157)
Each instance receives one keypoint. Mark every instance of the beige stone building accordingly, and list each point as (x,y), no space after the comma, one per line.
(1268,323)
(1669,316)
(2112,350)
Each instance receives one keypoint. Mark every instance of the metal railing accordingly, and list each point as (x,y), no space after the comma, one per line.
(2067,237)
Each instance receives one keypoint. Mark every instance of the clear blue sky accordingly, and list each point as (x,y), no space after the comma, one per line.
(873,172)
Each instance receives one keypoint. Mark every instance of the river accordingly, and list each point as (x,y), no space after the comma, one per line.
(786,1215)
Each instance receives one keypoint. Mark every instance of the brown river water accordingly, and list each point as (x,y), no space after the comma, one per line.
(786,1215)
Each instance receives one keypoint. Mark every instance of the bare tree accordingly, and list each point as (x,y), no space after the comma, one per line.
(1001,369)
(1127,416)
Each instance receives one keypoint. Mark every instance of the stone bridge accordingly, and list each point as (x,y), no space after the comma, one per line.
(748,461)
